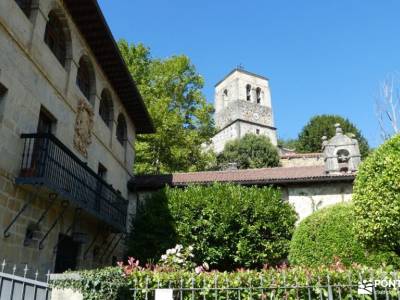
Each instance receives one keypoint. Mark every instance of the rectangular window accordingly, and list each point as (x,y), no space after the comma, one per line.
(3,92)
(25,5)
(102,171)
(46,122)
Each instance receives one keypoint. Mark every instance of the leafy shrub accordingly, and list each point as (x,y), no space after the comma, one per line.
(377,197)
(251,151)
(328,235)
(228,225)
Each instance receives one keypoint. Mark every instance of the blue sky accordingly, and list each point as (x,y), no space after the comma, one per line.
(320,56)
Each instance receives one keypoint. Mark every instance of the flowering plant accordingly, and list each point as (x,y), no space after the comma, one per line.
(133,265)
(178,258)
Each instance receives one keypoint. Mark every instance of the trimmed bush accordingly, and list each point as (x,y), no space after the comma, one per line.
(228,225)
(329,235)
(377,197)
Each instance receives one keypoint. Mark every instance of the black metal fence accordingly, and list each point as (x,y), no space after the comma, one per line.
(21,283)
(48,162)
(366,289)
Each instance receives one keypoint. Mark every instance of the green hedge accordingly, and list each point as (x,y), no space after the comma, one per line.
(228,225)
(329,235)
(377,197)
(278,283)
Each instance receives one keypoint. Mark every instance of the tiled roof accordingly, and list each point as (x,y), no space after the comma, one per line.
(264,176)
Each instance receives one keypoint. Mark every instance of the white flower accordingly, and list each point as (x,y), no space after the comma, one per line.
(172,251)
(169,251)
(190,248)
(164,257)
(206,266)
(178,247)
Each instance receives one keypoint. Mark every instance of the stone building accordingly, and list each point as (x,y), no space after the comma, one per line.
(308,184)
(69,114)
(242,105)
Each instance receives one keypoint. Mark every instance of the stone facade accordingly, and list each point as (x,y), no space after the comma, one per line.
(308,198)
(242,105)
(302,160)
(36,81)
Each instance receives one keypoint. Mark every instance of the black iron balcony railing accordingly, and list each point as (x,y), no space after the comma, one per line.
(48,162)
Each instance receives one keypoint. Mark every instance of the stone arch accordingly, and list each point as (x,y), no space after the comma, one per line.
(248,92)
(258,95)
(106,108)
(58,36)
(86,79)
(121,132)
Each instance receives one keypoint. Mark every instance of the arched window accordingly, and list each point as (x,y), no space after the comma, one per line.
(26,6)
(85,78)
(121,129)
(55,37)
(106,108)
(258,95)
(248,92)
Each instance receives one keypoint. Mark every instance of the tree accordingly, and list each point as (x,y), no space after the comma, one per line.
(251,151)
(171,89)
(329,234)
(310,138)
(377,197)
(388,107)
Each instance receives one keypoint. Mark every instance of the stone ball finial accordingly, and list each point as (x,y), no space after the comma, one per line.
(338,129)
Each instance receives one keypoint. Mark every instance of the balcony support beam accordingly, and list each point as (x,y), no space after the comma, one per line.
(65,205)
(32,197)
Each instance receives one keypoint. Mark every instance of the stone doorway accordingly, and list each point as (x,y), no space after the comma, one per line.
(67,254)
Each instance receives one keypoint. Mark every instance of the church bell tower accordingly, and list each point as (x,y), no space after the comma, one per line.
(242,105)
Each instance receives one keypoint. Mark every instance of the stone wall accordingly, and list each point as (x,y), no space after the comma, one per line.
(299,160)
(308,198)
(35,80)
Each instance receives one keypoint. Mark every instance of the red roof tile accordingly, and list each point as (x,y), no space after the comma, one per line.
(264,176)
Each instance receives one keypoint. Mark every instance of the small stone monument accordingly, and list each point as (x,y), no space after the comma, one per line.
(341,153)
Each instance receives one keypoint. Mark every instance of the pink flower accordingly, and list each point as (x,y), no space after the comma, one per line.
(199,269)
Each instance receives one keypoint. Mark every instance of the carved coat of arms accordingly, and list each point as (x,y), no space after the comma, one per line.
(83,127)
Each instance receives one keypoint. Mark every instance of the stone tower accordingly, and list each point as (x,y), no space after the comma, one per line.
(242,105)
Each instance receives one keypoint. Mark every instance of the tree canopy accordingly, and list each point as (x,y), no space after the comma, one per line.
(251,151)
(310,138)
(171,89)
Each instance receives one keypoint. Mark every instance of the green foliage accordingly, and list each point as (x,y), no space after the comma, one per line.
(152,229)
(251,151)
(228,225)
(276,283)
(310,138)
(377,197)
(232,226)
(288,143)
(329,235)
(171,89)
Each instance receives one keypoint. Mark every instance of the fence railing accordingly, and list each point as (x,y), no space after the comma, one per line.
(366,289)
(23,283)
(47,161)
